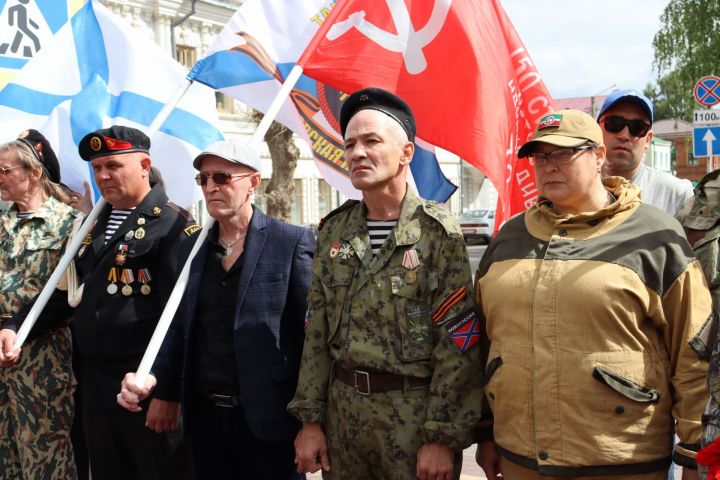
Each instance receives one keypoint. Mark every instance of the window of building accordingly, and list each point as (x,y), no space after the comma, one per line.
(297,202)
(186,55)
(297,206)
(325,194)
(224,103)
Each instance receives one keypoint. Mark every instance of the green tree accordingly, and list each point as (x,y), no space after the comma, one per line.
(686,48)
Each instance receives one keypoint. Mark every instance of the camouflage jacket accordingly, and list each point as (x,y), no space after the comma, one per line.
(402,311)
(30,248)
(707,250)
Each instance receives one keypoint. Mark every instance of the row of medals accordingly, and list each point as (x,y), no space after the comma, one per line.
(121,257)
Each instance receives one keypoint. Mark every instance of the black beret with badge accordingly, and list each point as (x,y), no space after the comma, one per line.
(43,152)
(115,140)
(383,101)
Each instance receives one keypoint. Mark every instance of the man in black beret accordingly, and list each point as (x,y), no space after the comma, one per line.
(36,393)
(127,266)
(389,377)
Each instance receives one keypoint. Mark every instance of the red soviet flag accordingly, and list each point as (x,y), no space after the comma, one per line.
(460,65)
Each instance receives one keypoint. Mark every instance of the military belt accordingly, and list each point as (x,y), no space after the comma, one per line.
(366,382)
(227,401)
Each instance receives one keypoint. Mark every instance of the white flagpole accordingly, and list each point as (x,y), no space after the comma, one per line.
(174,301)
(75,243)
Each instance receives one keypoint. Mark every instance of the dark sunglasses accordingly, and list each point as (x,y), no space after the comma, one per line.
(616,124)
(219,178)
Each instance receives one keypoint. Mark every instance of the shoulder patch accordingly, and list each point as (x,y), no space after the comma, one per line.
(464,330)
(192,229)
(443,215)
(183,213)
(344,206)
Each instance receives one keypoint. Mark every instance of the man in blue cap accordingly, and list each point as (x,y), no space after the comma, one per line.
(626,119)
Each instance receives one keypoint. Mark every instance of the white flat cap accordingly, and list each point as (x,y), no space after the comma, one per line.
(233,151)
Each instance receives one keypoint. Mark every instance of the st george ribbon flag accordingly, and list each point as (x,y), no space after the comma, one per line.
(98,71)
(460,65)
(251,58)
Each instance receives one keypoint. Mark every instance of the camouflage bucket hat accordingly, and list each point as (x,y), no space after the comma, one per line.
(703,211)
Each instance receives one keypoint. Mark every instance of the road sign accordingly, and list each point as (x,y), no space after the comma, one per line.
(707,117)
(706,141)
(707,91)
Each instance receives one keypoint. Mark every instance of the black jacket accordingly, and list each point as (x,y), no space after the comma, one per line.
(112,330)
(269,316)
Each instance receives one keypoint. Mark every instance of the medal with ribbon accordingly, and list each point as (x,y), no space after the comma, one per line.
(144,277)
(127,278)
(112,288)
(121,256)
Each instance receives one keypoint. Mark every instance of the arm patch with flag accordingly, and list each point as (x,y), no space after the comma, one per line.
(464,330)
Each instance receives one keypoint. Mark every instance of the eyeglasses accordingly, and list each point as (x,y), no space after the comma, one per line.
(6,170)
(219,178)
(562,156)
(616,124)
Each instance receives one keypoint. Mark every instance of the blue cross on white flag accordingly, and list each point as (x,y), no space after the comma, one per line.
(97,72)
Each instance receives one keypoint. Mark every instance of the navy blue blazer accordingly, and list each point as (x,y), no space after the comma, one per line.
(269,326)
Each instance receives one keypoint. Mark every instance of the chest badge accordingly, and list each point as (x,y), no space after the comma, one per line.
(129,235)
(411,260)
(140,233)
(346,251)
(334,249)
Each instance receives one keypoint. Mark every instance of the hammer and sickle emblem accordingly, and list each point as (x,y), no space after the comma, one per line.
(407,41)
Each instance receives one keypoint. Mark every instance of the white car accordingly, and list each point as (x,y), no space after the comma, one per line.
(477,225)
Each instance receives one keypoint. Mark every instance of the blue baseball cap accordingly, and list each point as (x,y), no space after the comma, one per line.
(628,95)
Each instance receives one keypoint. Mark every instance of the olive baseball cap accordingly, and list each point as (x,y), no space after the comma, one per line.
(565,128)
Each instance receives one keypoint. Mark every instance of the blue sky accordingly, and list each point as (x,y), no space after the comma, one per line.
(583,47)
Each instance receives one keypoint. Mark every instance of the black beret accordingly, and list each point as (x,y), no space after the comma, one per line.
(113,141)
(43,152)
(382,100)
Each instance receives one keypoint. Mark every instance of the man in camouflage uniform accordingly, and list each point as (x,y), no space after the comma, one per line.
(127,266)
(389,382)
(701,219)
(36,393)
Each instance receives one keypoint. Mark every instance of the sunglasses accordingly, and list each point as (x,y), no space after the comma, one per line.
(562,156)
(6,170)
(219,178)
(616,124)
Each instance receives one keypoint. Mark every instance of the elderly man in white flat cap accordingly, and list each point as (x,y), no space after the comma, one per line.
(233,351)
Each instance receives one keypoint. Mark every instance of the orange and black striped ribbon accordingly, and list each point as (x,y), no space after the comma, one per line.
(449,302)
